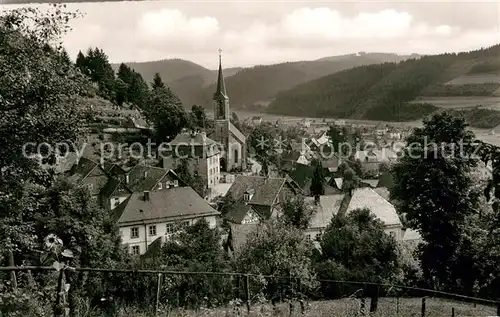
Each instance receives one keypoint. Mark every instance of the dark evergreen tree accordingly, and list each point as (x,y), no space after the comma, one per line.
(157,82)
(318,180)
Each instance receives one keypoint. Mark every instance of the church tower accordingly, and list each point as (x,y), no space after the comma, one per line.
(230,139)
(221,100)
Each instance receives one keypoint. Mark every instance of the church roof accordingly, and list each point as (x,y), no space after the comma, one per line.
(237,134)
(221,85)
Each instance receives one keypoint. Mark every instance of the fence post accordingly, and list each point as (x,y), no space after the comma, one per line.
(158,295)
(12,273)
(423,306)
(498,309)
(397,305)
(362,306)
(58,307)
(453,312)
(247,292)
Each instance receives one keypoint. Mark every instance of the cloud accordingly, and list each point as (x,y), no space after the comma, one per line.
(254,32)
(169,23)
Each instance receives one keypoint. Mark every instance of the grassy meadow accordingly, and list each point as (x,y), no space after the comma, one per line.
(388,307)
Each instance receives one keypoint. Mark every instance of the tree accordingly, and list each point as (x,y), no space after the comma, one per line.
(337,138)
(197,248)
(262,143)
(157,82)
(318,180)
(356,248)
(81,63)
(40,104)
(433,186)
(101,72)
(297,213)
(72,215)
(193,179)
(198,117)
(165,110)
(41,95)
(280,250)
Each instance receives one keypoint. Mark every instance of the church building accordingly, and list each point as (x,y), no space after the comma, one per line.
(231,140)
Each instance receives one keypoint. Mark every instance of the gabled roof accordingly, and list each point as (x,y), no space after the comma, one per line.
(370,182)
(81,170)
(113,169)
(172,204)
(238,213)
(381,208)
(328,207)
(266,189)
(384,192)
(237,133)
(143,177)
(196,139)
(111,186)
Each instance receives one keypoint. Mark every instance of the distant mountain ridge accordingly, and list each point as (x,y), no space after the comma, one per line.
(195,84)
(387,92)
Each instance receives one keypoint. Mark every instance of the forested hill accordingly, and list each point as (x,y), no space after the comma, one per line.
(383,92)
(260,84)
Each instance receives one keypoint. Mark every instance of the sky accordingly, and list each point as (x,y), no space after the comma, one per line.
(257,32)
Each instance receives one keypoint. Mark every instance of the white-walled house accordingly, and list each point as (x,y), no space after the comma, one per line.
(202,154)
(381,208)
(147,216)
(330,205)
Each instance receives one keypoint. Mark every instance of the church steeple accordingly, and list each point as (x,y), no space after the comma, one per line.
(221,85)
(221,100)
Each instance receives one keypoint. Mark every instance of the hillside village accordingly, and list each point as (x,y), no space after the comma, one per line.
(152,193)
(136,181)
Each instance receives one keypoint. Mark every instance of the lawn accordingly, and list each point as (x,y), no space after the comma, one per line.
(388,307)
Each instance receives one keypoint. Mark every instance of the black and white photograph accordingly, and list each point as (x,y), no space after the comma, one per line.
(230,158)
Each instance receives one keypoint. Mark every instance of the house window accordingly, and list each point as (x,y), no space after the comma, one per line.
(116,201)
(308,237)
(176,183)
(169,228)
(90,186)
(135,250)
(134,233)
(160,185)
(392,234)
(235,156)
(185,224)
(246,197)
(152,230)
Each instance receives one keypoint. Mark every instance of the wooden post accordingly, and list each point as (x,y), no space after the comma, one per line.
(158,295)
(423,306)
(58,307)
(453,312)
(397,305)
(12,273)
(362,306)
(247,292)
(498,309)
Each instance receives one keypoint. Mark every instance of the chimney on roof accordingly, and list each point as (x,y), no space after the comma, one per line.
(316,200)
(127,179)
(146,195)
(145,174)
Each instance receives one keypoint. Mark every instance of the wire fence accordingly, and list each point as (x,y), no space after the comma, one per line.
(184,293)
